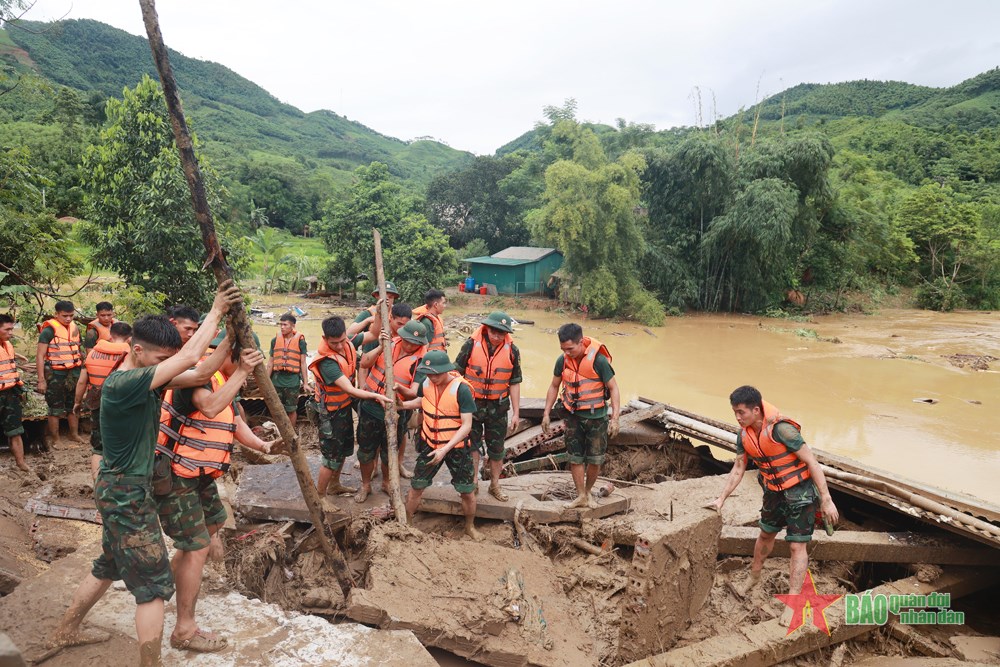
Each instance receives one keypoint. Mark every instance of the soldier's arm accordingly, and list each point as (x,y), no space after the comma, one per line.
(211,403)
(344,384)
(40,365)
(819,479)
(203,372)
(81,388)
(732,480)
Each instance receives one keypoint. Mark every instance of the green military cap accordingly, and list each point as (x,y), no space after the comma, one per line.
(413,332)
(499,320)
(435,362)
(389,289)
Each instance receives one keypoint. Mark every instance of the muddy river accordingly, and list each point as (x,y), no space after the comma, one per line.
(854,398)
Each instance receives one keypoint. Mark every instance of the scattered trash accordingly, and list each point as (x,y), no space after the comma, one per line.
(928,401)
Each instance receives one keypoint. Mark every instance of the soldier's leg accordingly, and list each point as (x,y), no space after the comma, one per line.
(459,462)
(596,444)
(68,392)
(12,425)
(371,433)
(495,435)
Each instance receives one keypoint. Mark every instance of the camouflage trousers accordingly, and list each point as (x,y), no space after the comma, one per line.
(586,439)
(336,436)
(133,547)
(793,509)
(489,426)
(289,398)
(372,439)
(11,411)
(60,390)
(458,460)
(96,444)
(186,512)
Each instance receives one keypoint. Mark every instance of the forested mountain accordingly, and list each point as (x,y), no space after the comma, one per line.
(233,117)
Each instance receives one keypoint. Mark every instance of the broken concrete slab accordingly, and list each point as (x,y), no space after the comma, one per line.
(526,440)
(259,633)
(741,508)
(670,577)
(873,547)
(769,643)
(532,492)
(482,601)
(984,649)
(81,509)
(10,656)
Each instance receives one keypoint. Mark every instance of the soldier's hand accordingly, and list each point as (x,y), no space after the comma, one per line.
(77,409)
(438,456)
(273,446)
(715,505)
(613,428)
(512,424)
(830,511)
(384,336)
(249,359)
(228,295)
(41,386)
(546,424)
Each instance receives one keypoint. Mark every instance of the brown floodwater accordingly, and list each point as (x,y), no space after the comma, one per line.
(854,398)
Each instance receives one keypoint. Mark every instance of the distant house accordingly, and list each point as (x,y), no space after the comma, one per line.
(516,270)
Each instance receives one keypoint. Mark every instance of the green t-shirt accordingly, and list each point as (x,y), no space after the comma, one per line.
(90,338)
(783,432)
(130,420)
(362,316)
(330,371)
(466,402)
(287,379)
(604,371)
(374,408)
(48,333)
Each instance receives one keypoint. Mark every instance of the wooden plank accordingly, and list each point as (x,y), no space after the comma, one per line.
(767,643)
(80,509)
(874,547)
(551,462)
(532,408)
(527,440)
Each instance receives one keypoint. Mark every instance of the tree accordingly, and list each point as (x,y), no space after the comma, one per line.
(268,242)
(140,219)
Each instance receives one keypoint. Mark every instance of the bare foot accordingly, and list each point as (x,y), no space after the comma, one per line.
(362,494)
(592,502)
(581,501)
(76,437)
(23,466)
(745,587)
(471,531)
(786,617)
(405,472)
(81,637)
(498,493)
(385,489)
(337,489)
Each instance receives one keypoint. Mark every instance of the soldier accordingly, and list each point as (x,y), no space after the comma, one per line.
(100,329)
(11,392)
(429,315)
(584,371)
(133,546)
(185,319)
(407,349)
(334,369)
(58,359)
(287,365)
(491,363)
(447,404)
(103,358)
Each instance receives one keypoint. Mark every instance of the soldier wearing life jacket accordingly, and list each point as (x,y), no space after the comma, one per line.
(334,369)
(588,384)
(58,360)
(408,347)
(793,482)
(446,401)
(203,428)
(11,392)
(105,357)
(366,316)
(491,363)
(429,315)
(100,328)
(287,365)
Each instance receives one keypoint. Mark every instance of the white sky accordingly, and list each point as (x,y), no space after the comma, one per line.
(476,74)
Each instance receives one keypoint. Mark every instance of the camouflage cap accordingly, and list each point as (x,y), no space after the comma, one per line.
(390,288)
(499,320)
(435,362)
(413,332)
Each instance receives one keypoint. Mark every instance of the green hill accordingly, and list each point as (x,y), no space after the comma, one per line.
(233,117)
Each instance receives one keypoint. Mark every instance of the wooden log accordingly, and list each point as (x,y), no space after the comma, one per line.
(874,547)
(769,643)
(550,462)
(239,324)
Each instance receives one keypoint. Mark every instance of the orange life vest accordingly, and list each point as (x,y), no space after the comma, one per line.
(442,415)
(331,396)
(287,355)
(104,358)
(489,376)
(402,367)
(9,377)
(103,332)
(64,349)
(582,386)
(779,467)
(197,445)
(437,329)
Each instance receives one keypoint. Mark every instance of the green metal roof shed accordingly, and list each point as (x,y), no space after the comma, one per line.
(516,270)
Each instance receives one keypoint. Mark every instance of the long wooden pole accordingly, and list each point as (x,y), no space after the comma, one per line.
(391,414)
(238,324)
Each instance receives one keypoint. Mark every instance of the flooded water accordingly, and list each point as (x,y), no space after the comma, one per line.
(854,398)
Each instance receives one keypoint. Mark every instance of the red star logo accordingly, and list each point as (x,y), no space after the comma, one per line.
(808,598)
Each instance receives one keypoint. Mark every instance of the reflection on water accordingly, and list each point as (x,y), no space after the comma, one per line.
(854,398)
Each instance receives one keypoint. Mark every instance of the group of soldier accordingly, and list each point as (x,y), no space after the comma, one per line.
(171,380)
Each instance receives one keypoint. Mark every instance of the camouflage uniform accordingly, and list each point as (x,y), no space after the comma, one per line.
(372,439)
(458,460)
(490,419)
(794,509)
(11,412)
(336,435)
(586,439)
(60,390)
(186,512)
(289,397)
(133,547)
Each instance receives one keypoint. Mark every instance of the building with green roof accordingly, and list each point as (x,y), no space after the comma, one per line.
(517,270)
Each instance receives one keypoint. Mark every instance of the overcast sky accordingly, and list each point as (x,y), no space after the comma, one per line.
(476,74)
